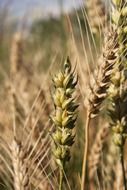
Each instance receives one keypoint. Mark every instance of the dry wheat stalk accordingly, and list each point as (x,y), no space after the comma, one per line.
(98,91)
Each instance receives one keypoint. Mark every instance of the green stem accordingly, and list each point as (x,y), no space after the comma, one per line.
(61,179)
(123,169)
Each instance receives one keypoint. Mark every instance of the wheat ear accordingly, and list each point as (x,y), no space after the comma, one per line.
(16,57)
(65,116)
(117,91)
(98,92)
(21,177)
(97,15)
(96,150)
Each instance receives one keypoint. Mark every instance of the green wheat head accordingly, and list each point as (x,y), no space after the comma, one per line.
(65,113)
(118,87)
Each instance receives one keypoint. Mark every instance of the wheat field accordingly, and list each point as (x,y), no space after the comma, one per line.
(63,97)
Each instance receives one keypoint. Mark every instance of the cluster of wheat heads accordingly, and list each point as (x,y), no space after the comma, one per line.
(25,143)
(37,130)
(110,85)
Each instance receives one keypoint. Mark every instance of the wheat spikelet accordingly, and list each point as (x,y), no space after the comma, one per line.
(99,90)
(97,150)
(21,177)
(96,14)
(16,53)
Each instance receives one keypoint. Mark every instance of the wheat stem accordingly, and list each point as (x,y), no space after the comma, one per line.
(123,169)
(85,151)
(61,179)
